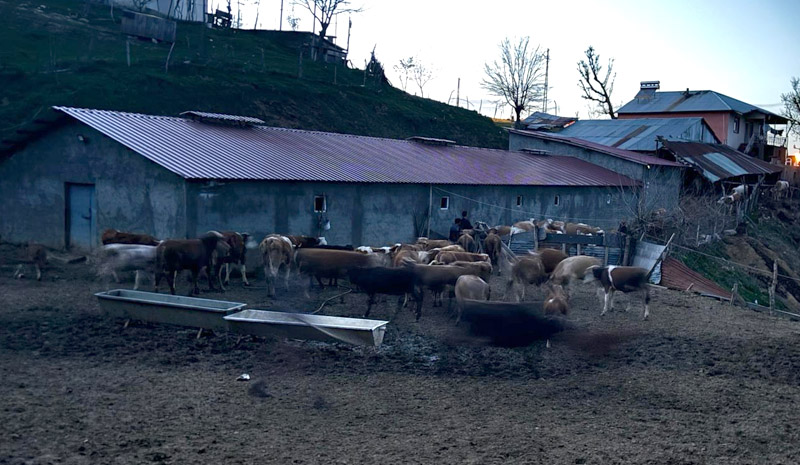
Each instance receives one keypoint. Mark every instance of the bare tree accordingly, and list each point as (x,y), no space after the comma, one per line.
(597,89)
(422,75)
(325,10)
(518,76)
(791,106)
(404,70)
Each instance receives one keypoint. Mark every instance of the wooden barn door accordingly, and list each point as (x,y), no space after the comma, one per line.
(80,228)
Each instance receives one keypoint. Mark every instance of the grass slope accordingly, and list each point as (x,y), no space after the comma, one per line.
(71,52)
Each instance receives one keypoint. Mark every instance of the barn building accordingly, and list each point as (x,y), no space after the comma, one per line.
(72,174)
(661,180)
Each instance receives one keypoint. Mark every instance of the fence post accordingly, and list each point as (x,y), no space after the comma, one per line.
(578,249)
(626,251)
(734,293)
(605,256)
(772,287)
(535,239)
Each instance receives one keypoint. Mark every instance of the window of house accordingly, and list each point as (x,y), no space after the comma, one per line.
(556,200)
(736,124)
(519,200)
(445,203)
(320,204)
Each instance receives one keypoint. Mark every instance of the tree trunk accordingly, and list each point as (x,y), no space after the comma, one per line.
(323,29)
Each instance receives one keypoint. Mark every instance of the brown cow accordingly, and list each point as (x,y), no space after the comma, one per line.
(470,287)
(332,264)
(450,257)
(186,254)
(493,246)
(37,255)
(572,269)
(467,242)
(428,244)
(480,269)
(502,230)
(620,278)
(237,255)
(556,301)
(527,270)
(550,258)
(437,279)
(582,229)
(276,251)
(112,236)
(303,241)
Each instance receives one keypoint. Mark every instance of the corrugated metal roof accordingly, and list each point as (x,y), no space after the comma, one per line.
(718,161)
(540,120)
(694,101)
(676,275)
(639,134)
(221,117)
(196,150)
(613,151)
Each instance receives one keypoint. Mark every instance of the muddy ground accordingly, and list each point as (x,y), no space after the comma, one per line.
(699,382)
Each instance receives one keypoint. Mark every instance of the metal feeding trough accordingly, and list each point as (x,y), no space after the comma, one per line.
(166,308)
(304,326)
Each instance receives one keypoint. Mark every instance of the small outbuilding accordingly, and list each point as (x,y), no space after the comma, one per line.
(71,175)
(660,179)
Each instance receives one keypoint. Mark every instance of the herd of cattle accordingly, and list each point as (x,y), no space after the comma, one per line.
(403,270)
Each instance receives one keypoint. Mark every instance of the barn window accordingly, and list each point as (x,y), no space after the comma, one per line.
(556,200)
(445,203)
(519,200)
(320,204)
(736,124)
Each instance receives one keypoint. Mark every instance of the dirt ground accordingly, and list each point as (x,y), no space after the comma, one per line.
(699,382)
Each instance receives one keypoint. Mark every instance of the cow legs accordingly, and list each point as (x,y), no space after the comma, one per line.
(219,276)
(646,302)
(243,269)
(609,295)
(288,275)
(114,274)
(171,276)
(136,281)
(196,288)
(227,273)
(370,301)
(18,272)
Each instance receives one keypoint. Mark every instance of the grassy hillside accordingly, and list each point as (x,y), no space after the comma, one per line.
(71,52)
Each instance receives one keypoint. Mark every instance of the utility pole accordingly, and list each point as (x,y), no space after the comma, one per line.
(546,76)
(458,92)
(280,24)
(349,26)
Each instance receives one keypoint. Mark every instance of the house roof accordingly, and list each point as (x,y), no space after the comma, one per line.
(718,161)
(540,120)
(694,101)
(613,151)
(197,150)
(639,134)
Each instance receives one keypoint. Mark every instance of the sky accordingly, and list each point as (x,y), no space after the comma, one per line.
(744,49)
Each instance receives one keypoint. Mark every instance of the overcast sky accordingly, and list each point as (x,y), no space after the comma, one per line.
(745,49)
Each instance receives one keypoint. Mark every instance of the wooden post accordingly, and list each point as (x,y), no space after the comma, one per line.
(169,55)
(734,293)
(127,47)
(578,246)
(605,256)
(773,286)
(535,239)
(697,236)
(300,65)
(564,248)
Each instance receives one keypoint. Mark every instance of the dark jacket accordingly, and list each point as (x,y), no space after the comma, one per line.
(455,231)
(465,224)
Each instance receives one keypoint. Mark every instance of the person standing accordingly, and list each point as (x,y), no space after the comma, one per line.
(455,230)
(465,224)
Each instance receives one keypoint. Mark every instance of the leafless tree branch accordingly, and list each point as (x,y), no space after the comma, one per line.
(518,76)
(324,11)
(596,86)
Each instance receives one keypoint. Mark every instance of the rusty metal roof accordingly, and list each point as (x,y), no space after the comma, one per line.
(676,275)
(197,150)
(613,151)
(718,161)
(539,120)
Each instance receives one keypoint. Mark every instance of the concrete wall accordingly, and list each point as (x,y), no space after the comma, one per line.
(381,214)
(131,193)
(662,184)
